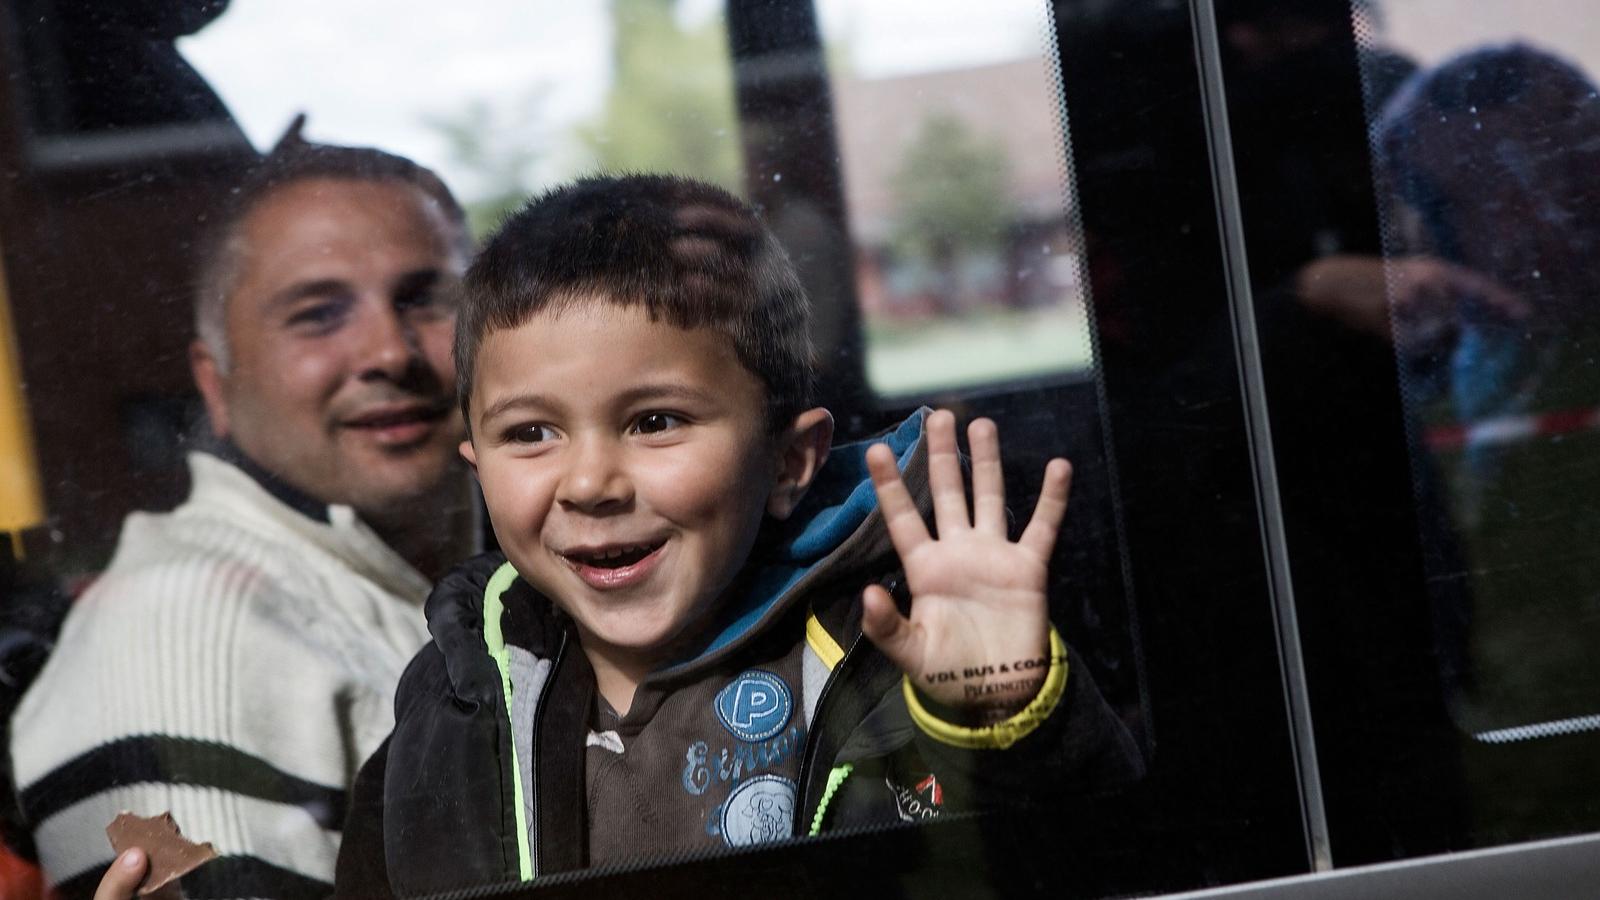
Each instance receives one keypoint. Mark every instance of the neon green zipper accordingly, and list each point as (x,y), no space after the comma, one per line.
(494,640)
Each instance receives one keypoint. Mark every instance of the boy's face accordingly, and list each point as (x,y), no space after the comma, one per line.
(626,465)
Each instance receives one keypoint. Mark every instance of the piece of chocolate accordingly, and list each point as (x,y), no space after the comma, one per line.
(172,856)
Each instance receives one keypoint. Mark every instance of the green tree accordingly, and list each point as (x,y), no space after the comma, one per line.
(501,149)
(670,106)
(952,192)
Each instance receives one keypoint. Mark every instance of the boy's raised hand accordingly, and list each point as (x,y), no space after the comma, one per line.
(978,605)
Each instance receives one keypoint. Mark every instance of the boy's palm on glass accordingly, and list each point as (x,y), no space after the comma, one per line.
(978,599)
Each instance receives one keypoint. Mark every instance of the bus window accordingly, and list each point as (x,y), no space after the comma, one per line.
(968,251)
(1413,186)
(213,428)
(1484,165)
(1010,210)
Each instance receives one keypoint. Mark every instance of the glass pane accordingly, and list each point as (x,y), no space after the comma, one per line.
(502,102)
(1485,162)
(1484,156)
(230,435)
(958,185)
(1414,184)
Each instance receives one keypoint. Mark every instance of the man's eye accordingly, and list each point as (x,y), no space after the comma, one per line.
(412,301)
(430,300)
(425,292)
(655,423)
(321,315)
(530,434)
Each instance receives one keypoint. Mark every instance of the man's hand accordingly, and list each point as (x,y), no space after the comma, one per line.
(978,606)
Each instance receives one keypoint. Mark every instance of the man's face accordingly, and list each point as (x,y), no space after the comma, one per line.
(339,378)
(626,467)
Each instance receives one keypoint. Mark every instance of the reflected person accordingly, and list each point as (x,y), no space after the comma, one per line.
(236,662)
(1491,157)
(1495,154)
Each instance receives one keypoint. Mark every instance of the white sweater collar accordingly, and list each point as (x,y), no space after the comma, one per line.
(225,489)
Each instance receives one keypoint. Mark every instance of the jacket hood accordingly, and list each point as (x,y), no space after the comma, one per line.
(836,521)
(455,621)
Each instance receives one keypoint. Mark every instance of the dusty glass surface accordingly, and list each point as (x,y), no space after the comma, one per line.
(967,256)
(910,158)
(959,186)
(1486,175)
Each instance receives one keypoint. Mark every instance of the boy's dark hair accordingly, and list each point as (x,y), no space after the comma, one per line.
(689,253)
(294,159)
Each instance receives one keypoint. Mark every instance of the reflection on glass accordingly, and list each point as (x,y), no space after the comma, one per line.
(958,190)
(949,233)
(502,99)
(951,142)
(1487,159)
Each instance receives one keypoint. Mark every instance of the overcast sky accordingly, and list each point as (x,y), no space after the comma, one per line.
(373,71)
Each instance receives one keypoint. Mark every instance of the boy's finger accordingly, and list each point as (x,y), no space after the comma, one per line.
(900,514)
(988,480)
(944,474)
(882,623)
(1040,535)
(122,878)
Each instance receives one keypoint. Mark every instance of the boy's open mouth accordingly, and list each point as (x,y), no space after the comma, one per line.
(614,565)
(614,557)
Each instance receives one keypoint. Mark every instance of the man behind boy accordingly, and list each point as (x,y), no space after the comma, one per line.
(672,659)
(236,662)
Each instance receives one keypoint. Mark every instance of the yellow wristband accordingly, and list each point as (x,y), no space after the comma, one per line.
(1003,734)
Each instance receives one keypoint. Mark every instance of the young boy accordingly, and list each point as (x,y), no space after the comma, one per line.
(697,637)
(670,658)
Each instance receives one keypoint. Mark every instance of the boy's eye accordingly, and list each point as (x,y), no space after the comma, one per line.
(530,434)
(655,423)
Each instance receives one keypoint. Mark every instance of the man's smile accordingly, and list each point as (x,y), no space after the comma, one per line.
(397,424)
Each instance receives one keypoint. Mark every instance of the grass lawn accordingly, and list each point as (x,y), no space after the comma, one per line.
(903,357)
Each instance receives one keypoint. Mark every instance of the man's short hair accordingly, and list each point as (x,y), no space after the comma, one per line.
(689,253)
(293,160)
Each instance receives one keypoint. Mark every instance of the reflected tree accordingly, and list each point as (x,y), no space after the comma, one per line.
(502,148)
(952,194)
(670,107)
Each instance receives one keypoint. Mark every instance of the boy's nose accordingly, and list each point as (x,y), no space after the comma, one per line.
(596,479)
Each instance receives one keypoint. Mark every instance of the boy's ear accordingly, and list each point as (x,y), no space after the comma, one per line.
(469,453)
(801,450)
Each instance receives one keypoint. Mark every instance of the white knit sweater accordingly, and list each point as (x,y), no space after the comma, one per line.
(235,665)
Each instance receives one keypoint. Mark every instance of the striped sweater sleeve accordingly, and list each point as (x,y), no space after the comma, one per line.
(198,686)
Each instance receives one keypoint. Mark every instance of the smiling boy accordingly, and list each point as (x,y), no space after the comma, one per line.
(697,637)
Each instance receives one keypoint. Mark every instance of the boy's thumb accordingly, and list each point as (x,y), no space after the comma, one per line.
(882,623)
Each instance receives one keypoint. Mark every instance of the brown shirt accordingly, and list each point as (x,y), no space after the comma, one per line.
(701,764)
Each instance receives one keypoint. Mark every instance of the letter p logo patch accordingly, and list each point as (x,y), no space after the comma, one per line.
(755,706)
